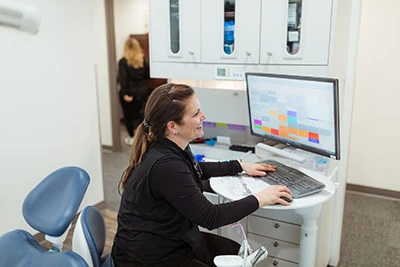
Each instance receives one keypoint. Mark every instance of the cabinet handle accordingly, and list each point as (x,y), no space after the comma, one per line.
(275,263)
(269,54)
(191,53)
(277,225)
(276,244)
(248,53)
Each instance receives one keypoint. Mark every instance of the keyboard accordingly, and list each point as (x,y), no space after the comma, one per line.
(298,182)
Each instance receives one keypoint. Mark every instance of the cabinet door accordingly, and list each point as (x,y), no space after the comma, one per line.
(245,44)
(175,30)
(311,32)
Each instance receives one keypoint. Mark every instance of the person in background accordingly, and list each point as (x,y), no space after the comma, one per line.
(162,203)
(133,71)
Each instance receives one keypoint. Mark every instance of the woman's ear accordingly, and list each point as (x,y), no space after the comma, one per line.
(171,127)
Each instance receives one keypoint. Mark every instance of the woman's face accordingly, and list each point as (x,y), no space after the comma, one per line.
(192,122)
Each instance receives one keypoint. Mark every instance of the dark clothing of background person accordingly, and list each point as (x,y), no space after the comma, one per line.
(133,83)
(156,228)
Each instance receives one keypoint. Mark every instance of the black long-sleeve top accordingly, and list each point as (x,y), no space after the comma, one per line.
(133,81)
(158,220)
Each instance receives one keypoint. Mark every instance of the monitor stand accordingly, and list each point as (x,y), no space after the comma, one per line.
(280,152)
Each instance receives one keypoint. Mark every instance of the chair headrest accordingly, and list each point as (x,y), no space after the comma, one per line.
(51,206)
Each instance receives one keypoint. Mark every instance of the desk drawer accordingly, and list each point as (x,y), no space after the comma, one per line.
(274,229)
(276,248)
(273,262)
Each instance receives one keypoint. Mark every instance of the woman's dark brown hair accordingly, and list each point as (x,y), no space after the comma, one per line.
(166,103)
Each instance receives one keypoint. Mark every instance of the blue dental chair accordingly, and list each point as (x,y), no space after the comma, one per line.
(49,208)
(89,238)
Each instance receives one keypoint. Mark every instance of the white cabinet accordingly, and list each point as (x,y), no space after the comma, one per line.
(175,31)
(246,41)
(281,238)
(192,31)
(312,34)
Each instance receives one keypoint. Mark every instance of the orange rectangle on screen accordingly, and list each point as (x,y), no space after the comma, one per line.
(283,131)
(302,133)
(282,117)
(266,129)
(293,130)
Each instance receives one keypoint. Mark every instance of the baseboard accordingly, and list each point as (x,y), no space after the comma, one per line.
(111,148)
(373,190)
(39,237)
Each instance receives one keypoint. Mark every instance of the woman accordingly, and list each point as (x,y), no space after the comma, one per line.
(162,203)
(132,74)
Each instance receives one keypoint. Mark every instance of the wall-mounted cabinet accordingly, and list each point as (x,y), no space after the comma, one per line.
(260,35)
(295,32)
(175,30)
(230,32)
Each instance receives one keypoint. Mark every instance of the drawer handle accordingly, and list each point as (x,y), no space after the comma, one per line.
(275,263)
(277,225)
(276,244)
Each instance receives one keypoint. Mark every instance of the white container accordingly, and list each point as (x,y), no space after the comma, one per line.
(228,261)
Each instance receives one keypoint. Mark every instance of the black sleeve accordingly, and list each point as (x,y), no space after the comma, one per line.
(146,70)
(213,169)
(123,77)
(176,185)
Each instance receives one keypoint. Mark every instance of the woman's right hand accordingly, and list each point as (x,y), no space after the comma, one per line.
(128,98)
(272,195)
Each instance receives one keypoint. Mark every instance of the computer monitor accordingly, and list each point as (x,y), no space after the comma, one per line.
(298,111)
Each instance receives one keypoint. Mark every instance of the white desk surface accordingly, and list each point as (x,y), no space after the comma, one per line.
(219,185)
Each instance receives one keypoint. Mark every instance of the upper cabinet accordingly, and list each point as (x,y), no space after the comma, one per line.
(295,32)
(175,30)
(230,31)
(226,38)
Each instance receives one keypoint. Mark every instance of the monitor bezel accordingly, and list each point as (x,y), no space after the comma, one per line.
(334,81)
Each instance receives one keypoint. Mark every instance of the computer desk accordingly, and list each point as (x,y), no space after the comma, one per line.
(308,208)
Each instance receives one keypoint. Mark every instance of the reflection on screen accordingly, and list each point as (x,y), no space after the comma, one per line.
(298,111)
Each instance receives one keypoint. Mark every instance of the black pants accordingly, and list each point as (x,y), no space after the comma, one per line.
(133,114)
(212,246)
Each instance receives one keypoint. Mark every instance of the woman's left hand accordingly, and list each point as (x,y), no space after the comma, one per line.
(257,169)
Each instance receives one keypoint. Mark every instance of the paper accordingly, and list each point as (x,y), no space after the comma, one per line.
(244,185)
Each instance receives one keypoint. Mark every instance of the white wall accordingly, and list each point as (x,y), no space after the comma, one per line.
(102,73)
(130,17)
(48,107)
(373,159)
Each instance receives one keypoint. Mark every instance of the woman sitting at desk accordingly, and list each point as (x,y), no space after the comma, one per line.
(162,203)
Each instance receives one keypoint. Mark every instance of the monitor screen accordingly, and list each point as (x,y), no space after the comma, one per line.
(298,111)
